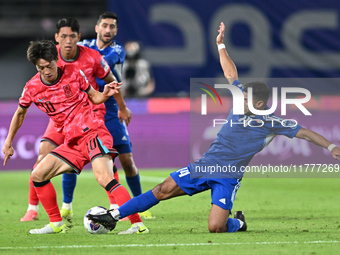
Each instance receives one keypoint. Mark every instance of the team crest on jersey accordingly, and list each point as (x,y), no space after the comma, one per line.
(104,65)
(67,90)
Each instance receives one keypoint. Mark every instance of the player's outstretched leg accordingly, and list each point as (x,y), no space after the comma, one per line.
(162,191)
(134,205)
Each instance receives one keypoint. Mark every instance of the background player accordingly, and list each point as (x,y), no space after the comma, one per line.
(64,93)
(114,53)
(234,146)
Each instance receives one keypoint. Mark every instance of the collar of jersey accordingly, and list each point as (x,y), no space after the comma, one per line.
(52,83)
(112,44)
(70,60)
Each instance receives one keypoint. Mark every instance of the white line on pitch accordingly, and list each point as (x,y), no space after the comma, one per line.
(162,245)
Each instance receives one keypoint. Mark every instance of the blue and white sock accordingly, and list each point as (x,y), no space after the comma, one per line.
(233,225)
(137,204)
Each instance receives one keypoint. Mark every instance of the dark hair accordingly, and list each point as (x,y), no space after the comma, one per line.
(44,49)
(261,91)
(68,22)
(107,15)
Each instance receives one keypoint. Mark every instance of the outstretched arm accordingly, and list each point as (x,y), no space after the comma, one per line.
(124,113)
(17,120)
(228,66)
(319,140)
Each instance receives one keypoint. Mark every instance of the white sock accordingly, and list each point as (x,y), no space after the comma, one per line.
(67,206)
(139,224)
(58,224)
(33,207)
(113,206)
(115,214)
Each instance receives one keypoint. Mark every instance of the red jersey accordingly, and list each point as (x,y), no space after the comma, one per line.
(92,64)
(65,101)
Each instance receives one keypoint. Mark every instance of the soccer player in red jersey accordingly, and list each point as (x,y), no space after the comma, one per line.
(64,94)
(93,65)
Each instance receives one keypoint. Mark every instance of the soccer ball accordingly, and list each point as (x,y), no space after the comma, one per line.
(92,227)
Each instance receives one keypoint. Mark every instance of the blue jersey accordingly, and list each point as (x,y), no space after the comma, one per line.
(114,56)
(238,141)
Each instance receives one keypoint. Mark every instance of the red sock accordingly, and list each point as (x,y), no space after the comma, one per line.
(111,198)
(134,218)
(32,194)
(48,198)
(122,196)
(109,194)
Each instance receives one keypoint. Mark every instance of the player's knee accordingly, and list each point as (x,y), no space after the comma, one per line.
(102,181)
(159,192)
(216,228)
(37,177)
(129,168)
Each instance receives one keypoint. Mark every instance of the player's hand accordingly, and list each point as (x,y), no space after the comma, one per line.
(220,37)
(336,153)
(8,151)
(124,115)
(112,88)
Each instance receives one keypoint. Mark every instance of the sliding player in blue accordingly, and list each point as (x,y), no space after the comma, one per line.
(234,147)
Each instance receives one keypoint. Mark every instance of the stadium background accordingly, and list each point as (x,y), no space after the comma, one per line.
(264,38)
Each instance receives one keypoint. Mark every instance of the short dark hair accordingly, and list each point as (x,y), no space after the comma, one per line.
(107,15)
(261,91)
(44,49)
(68,22)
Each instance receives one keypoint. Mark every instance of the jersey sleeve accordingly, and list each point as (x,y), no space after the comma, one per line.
(84,82)
(25,99)
(102,68)
(112,58)
(238,84)
(283,126)
(115,59)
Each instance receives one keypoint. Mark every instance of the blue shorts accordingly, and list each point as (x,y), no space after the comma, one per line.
(223,190)
(121,139)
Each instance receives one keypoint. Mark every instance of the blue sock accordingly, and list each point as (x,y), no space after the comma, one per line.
(138,204)
(233,225)
(69,182)
(134,185)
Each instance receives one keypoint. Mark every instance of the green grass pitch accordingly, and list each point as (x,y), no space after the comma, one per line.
(284,216)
